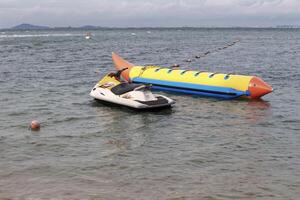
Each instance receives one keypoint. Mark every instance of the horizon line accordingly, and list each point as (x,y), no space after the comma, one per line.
(44,27)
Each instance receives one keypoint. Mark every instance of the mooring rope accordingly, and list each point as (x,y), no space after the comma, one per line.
(202,55)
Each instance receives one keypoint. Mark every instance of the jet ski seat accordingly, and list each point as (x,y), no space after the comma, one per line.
(123,88)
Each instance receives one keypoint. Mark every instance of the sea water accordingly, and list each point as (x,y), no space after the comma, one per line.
(202,148)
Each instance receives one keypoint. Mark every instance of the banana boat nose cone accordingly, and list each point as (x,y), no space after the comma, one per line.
(120,64)
(258,88)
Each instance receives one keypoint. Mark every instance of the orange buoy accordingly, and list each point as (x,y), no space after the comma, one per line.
(175,66)
(35,125)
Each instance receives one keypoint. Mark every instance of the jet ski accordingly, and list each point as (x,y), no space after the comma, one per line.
(137,96)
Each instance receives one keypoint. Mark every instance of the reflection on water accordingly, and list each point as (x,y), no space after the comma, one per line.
(258,110)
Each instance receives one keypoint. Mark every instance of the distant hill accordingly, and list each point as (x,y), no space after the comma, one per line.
(25,26)
(29,27)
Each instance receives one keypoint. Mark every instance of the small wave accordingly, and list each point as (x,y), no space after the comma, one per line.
(17,113)
(40,35)
(70,119)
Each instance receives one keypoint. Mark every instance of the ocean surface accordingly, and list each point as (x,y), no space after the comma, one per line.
(202,148)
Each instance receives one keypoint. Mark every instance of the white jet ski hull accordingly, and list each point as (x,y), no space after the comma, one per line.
(154,101)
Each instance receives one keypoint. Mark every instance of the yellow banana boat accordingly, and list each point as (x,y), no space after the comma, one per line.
(227,86)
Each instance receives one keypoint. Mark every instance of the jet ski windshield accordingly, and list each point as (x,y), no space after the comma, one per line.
(124,88)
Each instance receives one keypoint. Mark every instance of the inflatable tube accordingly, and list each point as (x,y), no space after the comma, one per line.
(227,86)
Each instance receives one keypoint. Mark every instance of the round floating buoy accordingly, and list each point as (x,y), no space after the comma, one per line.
(34,125)
(175,66)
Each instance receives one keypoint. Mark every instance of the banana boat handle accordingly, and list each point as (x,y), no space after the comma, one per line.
(117,75)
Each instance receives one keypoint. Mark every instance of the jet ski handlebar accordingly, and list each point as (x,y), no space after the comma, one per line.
(118,73)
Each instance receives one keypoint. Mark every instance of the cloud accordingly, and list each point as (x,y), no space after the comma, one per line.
(149,12)
(258,2)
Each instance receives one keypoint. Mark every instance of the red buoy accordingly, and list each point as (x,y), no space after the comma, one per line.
(35,125)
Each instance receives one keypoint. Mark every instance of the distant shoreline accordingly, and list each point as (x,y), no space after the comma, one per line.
(28,27)
(142,28)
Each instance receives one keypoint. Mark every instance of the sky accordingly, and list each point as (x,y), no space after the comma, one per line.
(150,13)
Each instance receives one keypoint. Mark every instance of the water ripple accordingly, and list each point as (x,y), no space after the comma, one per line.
(201,149)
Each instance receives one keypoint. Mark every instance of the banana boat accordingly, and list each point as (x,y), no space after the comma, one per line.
(226,86)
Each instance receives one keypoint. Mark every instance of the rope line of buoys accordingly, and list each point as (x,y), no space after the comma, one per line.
(202,55)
